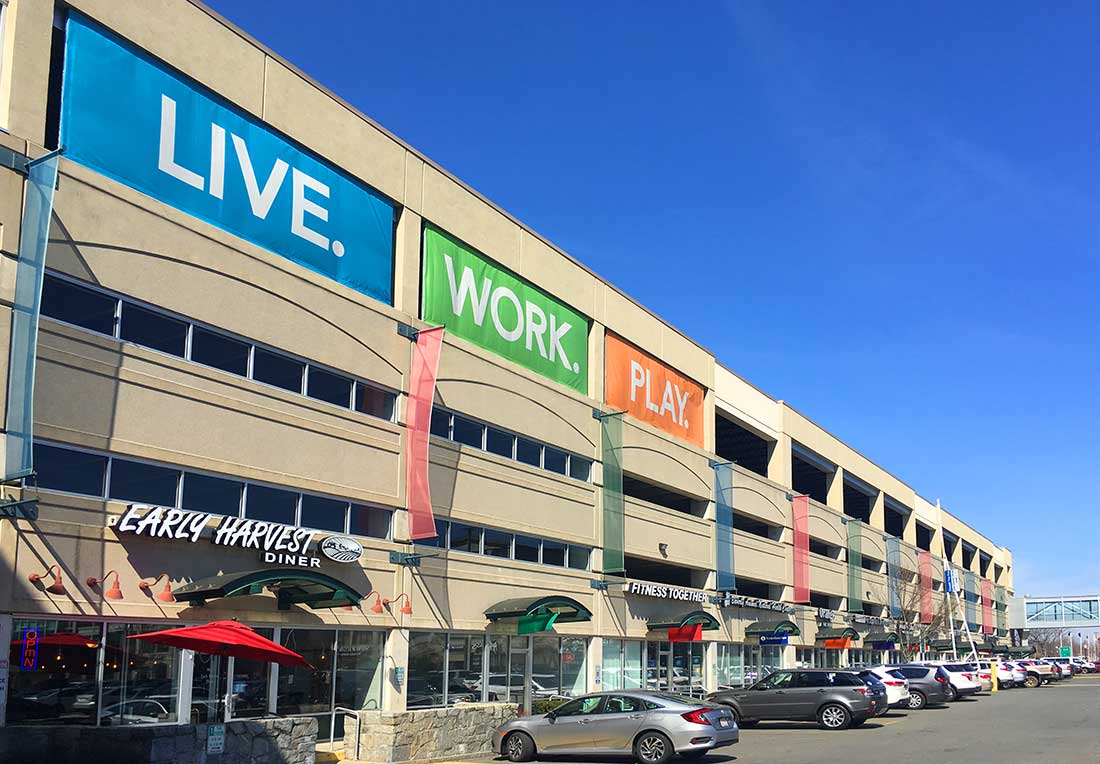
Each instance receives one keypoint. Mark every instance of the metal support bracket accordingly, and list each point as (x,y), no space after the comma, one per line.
(408,559)
(408,331)
(600,586)
(24,509)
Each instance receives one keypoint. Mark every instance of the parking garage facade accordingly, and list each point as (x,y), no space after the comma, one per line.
(227,407)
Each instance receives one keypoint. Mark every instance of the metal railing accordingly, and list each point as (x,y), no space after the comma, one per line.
(358,723)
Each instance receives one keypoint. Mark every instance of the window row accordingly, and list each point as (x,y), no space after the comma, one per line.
(112,477)
(446,668)
(460,537)
(469,432)
(91,673)
(116,317)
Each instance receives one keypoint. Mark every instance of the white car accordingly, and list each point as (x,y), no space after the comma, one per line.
(897,686)
(1007,676)
(1086,667)
(964,679)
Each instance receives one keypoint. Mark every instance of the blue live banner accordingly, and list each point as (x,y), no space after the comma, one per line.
(131,118)
(773,639)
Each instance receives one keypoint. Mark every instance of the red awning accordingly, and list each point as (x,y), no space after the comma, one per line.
(225,638)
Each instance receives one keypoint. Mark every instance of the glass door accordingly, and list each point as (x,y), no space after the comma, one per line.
(687,668)
(658,663)
(519,672)
(208,689)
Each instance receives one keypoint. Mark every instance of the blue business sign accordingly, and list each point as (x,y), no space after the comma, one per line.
(773,639)
(128,116)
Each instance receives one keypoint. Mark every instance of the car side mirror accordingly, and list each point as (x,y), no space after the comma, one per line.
(551,716)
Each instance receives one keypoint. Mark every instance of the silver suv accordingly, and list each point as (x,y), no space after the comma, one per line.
(836,699)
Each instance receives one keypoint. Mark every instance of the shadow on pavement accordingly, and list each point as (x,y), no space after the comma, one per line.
(714,758)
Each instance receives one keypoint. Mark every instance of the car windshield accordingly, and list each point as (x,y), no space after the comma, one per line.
(673,698)
(958,668)
(896,674)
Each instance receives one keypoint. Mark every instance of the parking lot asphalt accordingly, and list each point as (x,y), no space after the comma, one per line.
(1055,723)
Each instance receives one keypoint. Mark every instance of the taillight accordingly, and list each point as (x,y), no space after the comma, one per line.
(696,717)
(894,684)
(862,691)
(940,678)
(984,676)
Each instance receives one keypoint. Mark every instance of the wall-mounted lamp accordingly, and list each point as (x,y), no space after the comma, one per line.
(115,592)
(407,608)
(56,587)
(663,549)
(376,608)
(165,595)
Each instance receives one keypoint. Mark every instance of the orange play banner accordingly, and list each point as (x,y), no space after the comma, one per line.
(645,388)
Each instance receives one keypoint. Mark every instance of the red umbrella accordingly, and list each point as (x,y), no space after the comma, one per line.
(226,638)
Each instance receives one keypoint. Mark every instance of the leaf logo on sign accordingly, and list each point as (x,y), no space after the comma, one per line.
(341,549)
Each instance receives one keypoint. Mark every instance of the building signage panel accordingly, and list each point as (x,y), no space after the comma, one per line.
(773,639)
(278,544)
(660,591)
(131,118)
(735,600)
(493,308)
(645,388)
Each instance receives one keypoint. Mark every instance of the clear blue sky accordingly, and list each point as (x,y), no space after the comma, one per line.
(886,214)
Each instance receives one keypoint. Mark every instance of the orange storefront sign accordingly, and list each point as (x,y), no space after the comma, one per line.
(645,388)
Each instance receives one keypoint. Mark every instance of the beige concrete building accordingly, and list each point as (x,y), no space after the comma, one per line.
(237,265)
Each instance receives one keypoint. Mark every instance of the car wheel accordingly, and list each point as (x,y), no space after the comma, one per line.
(653,748)
(834,717)
(1032,681)
(519,747)
(917,700)
(952,693)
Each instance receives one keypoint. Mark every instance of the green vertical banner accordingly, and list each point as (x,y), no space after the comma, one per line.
(723,518)
(29,273)
(611,443)
(893,575)
(855,566)
(970,591)
(999,593)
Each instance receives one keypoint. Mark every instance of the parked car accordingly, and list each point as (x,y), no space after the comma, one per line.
(836,699)
(927,684)
(650,726)
(877,692)
(961,680)
(1038,672)
(1086,666)
(1007,676)
(897,688)
(1069,668)
(134,712)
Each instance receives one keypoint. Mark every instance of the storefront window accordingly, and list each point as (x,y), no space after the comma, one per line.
(52,672)
(303,690)
(464,653)
(574,677)
(612,664)
(633,656)
(140,680)
(359,669)
(731,667)
(425,680)
(545,665)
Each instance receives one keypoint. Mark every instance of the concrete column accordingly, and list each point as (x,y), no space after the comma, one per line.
(708,424)
(595,361)
(24,76)
(835,490)
(779,461)
(878,511)
(406,266)
(594,665)
(395,664)
(710,666)
(909,532)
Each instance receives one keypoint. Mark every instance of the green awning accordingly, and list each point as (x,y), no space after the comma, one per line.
(881,636)
(846,632)
(940,644)
(568,609)
(694,618)
(762,628)
(1021,652)
(291,587)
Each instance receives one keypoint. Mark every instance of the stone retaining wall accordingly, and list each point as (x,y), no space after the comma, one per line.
(262,741)
(433,734)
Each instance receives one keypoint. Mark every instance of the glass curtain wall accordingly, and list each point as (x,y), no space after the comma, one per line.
(52,669)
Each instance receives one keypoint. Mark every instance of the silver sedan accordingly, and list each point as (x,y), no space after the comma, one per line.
(651,726)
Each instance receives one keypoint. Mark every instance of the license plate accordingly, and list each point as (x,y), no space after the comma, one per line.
(723,722)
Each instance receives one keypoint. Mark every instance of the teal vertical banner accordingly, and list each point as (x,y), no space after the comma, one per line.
(893,574)
(611,445)
(855,566)
(723,518)
(29,271)
(130,117)
(970,591)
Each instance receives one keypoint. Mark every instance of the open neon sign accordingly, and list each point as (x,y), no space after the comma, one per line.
(29,660)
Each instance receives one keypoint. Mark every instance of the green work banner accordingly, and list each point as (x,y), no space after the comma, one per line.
(611,445)
(855,566)
(532,624)
(493,308)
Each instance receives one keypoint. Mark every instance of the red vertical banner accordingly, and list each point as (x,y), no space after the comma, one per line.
(418,422)
(800,523)
(987,606)
(925,564)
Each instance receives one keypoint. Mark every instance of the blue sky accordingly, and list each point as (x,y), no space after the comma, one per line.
(884,213)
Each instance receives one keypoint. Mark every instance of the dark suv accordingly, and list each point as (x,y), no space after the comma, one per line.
(836,699)
(927,684)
